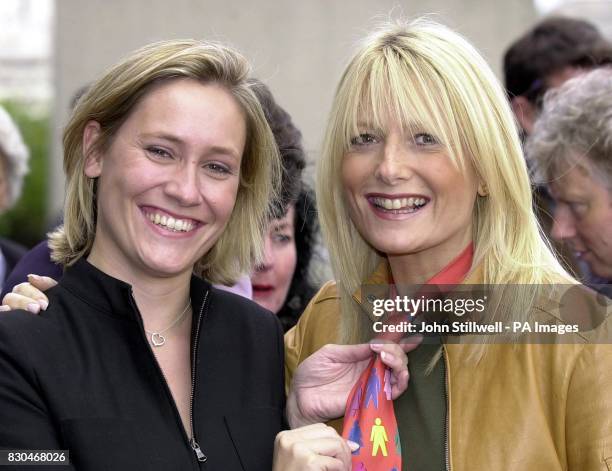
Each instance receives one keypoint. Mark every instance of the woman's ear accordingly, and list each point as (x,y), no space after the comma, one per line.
(93,157)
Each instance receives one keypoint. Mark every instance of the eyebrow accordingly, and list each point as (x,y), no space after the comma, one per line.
(280,227)
(165,136)
(363,124)
(178,141)
(414,125)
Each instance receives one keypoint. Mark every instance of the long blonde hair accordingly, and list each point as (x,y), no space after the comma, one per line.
(111,99)
(428,75)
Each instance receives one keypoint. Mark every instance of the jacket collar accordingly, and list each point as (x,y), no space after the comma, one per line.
(111,295)
(380,276)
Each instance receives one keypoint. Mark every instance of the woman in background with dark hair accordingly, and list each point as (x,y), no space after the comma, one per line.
(281,283)
(301,289)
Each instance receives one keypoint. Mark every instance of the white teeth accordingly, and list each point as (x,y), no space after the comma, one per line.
(176,225)
(399,203)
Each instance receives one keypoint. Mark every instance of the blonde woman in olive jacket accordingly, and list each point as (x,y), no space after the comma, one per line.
(421,162)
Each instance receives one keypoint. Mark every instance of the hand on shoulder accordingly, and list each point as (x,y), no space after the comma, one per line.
(29,295)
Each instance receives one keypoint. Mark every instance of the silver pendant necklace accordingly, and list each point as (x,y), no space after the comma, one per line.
(157,338)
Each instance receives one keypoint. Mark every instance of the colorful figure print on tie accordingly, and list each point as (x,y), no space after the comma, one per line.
(356,402)
(387,384)
(372,389)
(356,436)
(379,438)
(374,415)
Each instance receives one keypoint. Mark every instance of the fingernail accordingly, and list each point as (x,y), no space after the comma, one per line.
(4,307)
(43,304)
(34,308)
(352,445)
(375,346)
(32,275)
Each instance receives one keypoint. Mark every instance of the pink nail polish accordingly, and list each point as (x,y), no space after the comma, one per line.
(34,308)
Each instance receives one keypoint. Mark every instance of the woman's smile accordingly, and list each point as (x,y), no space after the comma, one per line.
(170,224)
(396,207)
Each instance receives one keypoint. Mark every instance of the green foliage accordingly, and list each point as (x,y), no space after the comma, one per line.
(26,222)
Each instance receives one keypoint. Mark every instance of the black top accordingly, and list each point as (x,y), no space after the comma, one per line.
(82,376)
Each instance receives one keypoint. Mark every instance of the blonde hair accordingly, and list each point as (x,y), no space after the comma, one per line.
(429,77)
(110,101)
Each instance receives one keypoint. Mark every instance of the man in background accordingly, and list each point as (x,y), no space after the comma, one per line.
(552,52)
(571,149)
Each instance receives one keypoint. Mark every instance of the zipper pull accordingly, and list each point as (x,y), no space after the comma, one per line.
(198,451)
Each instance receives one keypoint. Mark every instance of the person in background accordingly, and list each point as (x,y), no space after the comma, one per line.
(571,148)
(282,282)
(14,157)
(553,51)
(38,258)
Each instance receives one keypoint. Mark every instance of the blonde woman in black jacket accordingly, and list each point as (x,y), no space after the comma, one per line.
(138,363)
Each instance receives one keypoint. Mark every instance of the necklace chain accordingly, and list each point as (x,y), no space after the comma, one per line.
(157,339)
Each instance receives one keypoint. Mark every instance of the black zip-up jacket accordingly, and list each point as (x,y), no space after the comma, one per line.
(81,376)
